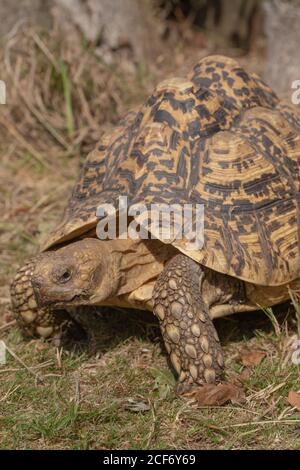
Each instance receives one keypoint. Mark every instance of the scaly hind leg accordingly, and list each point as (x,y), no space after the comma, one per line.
(189,334)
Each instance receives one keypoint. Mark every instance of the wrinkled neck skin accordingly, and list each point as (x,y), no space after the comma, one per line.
(134,264)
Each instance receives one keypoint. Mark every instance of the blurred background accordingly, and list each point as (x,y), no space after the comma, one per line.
(77,64)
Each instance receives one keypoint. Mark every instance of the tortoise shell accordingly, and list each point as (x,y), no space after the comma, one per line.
(221,138)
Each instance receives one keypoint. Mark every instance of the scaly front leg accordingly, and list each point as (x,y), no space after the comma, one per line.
(189,334)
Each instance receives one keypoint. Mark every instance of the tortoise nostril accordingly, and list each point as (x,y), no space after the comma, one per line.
(37,284)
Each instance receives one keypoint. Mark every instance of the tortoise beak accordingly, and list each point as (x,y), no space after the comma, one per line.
(60,296)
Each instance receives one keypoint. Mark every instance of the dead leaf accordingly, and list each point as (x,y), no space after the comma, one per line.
(239,379)
(217,394)
(252,358)
(245,374)
(294,399)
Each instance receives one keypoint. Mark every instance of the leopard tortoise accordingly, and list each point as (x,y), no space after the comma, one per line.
(221,138)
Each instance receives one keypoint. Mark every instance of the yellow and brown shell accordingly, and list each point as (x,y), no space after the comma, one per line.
(221,138)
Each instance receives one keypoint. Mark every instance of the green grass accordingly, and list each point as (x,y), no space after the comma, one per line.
(68,98)
(83,402)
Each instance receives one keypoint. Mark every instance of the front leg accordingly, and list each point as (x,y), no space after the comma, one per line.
(189,334)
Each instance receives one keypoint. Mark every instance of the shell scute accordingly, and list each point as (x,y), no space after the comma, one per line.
(221,138)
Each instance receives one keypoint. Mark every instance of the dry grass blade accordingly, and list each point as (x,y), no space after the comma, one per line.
(58,356)
(273,320)
(266,422)
(153,429)
(45,50)
(269,410)
(77,396)
(28,102)
(7,326)
(23,142)
(265,393)
(28,369)
(10,392)
(68,93)
(295,298)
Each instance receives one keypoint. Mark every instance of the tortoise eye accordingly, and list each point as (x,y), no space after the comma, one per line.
(64,276)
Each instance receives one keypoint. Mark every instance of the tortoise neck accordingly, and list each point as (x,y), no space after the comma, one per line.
(136,262)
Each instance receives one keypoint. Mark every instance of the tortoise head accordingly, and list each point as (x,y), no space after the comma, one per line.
(83,272)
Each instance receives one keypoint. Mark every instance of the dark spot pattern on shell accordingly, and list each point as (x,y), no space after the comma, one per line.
(221,138)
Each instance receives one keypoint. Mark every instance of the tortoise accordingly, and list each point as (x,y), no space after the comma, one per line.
(220,138)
